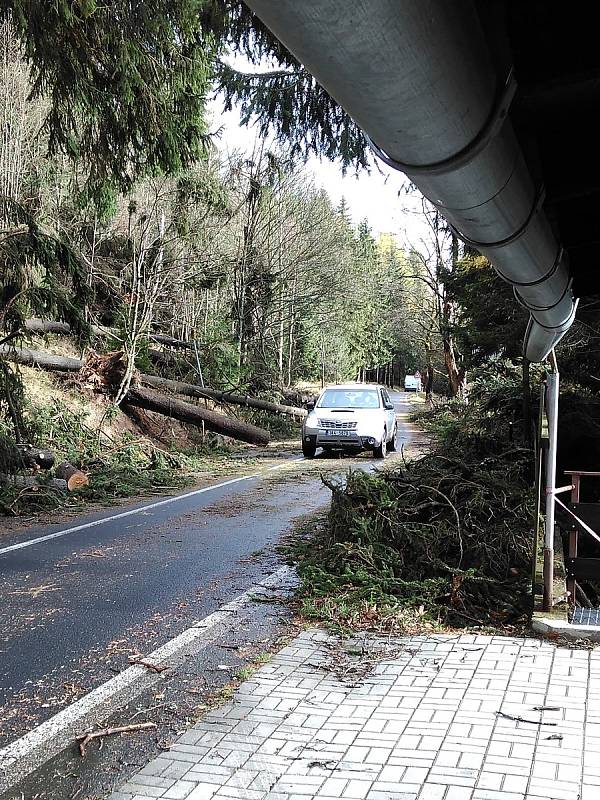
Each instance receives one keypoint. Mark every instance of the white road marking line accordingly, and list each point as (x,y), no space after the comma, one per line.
(143,510)
(123,514)
(28,753)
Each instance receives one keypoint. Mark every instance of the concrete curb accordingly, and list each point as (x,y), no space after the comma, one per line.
(546,625)
(25,755)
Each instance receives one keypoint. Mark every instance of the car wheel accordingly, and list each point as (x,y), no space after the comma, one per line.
(381,451)
(308,449)
(392,442)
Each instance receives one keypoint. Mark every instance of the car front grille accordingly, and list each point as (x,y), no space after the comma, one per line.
(330,423)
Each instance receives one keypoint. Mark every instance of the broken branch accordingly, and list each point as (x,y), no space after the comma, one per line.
(148,664)
(522,719)
(85,738)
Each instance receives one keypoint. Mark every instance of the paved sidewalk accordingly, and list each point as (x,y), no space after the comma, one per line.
(422,724)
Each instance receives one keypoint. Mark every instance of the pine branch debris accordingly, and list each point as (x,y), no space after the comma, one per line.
(440,540)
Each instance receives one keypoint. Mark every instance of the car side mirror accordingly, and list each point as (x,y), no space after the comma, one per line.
(310,406)
(389,406)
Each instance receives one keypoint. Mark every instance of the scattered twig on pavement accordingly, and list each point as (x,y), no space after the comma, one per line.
(152,708)
(558,736)
(85,738)
(522,719)
(143,663)
(329,764)
(95,554)
(546,708)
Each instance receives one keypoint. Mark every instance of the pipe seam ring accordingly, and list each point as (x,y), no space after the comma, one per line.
(537,204)
(526,284)
(532,308)
(489,131)
(546,277)
(562,328)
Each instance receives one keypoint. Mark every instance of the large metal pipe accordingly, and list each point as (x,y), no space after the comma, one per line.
(416,76)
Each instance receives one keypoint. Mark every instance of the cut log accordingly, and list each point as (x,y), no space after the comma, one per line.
(191,390)
(186,412)
(74,477)
(26,456)
(34,457)
(31,482)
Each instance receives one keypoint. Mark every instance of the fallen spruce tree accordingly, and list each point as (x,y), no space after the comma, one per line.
(39,358)
(104,374)
(445,538)
(195,415)
(191,390)
(44,326)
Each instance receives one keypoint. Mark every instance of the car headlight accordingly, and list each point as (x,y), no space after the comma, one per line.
(311,423)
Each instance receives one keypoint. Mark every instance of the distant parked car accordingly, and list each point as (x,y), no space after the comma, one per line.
(351,417)
(412,383)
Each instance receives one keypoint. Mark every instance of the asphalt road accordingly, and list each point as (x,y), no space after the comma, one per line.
(79,598)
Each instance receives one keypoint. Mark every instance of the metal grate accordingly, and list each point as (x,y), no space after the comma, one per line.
(586,616)
(329,423)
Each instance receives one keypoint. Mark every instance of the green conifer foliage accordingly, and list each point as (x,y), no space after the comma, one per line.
(300,112)
(126,81)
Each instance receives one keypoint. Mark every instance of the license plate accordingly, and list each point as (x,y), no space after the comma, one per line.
(334,432)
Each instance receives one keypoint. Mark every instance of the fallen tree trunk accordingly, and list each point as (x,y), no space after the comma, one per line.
(163,357)
(31,482)
(37,358)
(24,355)
(150,400)
(186,412)
(191,390)
(36,457)
(74,477)
(41,326)
(170,341)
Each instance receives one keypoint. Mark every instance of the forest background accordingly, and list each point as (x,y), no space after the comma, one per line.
(119,212)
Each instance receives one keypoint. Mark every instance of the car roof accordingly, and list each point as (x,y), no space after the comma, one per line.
(357,387)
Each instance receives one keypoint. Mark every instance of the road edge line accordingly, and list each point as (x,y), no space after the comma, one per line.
(122,514)
(28,753)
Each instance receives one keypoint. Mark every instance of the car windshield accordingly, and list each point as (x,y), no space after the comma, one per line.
(349,398)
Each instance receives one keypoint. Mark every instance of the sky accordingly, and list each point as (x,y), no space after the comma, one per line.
(379,196)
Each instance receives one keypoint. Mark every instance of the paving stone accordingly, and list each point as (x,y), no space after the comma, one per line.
(423,724)
(136,788)
(175,769)
(433,791)
(205,791)
(180,791)
(142,797)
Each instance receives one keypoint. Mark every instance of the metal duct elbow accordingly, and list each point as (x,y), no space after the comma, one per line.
(415,75)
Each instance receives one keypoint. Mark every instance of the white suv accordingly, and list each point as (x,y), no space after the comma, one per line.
(351,417)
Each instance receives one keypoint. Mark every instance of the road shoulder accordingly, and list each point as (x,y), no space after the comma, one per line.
(197,668)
